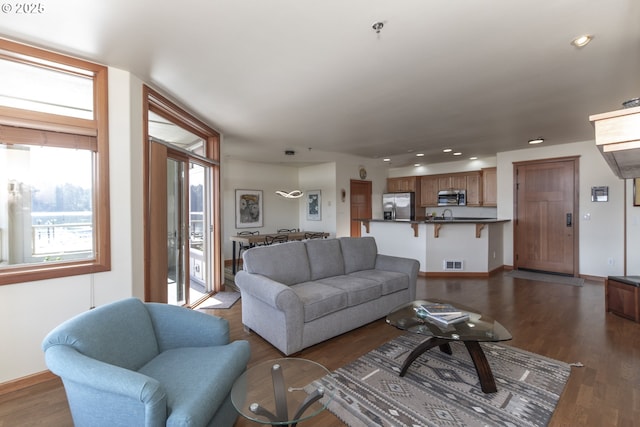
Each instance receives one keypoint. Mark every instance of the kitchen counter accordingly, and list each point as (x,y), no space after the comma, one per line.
(473,243)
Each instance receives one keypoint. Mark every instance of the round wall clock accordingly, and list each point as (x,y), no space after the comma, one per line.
(363,173)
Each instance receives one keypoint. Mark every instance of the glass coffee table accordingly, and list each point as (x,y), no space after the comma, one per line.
(281,391)
(476,329)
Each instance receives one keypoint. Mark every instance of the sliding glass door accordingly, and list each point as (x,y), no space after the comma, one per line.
(182,205)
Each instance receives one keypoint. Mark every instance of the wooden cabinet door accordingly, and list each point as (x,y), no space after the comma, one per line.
(489,187)
(474,189)
(429,187)
(401,184)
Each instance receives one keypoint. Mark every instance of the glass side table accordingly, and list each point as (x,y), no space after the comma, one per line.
(281,391)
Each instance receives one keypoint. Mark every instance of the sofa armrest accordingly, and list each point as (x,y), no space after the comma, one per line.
(108,380)
(273,293)
(178,327)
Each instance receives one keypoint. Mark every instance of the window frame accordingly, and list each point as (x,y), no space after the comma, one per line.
(90,134)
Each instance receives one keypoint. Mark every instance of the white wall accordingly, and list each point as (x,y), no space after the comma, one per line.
(633,232)
(319,177)
(601,237)
(31,310)
(278,212)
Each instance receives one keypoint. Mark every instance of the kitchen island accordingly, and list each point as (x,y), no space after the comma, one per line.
(451,246)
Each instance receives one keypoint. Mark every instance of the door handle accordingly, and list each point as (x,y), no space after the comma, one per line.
(569,220)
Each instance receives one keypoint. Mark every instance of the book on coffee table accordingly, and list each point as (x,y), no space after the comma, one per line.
(440,309)
(448,319)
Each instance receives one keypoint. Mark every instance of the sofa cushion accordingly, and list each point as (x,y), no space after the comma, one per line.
(319,299)
(326,258)
(286,263)
(358,289)
(359,253)
(391,281)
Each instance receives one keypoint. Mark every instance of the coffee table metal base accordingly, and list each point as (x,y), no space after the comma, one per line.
(487,381)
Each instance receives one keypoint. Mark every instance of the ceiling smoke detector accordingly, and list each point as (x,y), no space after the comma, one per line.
(289,152)
(377,26)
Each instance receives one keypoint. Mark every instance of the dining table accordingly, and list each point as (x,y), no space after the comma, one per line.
(259,239)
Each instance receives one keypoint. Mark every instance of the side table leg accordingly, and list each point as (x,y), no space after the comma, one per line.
(280,393)
(308,402)
(487,382)
(425,345)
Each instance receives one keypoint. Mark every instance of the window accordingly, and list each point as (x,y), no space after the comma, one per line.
(54,203)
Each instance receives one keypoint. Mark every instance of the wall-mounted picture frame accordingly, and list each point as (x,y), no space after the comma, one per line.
(636,192)
(314,205)
(249,210)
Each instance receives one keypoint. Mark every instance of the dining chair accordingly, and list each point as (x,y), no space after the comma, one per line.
(313,235)
(287,230)
(280,238)
(244,246)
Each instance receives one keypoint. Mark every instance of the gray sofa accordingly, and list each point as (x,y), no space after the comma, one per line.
(298,294)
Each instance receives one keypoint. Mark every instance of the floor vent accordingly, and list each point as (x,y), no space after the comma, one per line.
(452,265)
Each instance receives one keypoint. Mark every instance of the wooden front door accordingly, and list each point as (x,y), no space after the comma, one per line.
(545,215)
(360,204)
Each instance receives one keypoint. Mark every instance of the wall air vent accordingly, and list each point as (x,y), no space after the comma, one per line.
(452,265)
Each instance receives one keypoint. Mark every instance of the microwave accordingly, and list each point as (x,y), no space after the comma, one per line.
(452,198)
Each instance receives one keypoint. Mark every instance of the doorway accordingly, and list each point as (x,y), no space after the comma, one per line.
(545,212)
(182,239)
(360,201)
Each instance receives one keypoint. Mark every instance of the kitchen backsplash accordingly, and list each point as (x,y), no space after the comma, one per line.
(463,211)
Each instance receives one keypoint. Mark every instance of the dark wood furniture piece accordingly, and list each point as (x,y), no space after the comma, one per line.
(478,328)
(622,296)
(258,239)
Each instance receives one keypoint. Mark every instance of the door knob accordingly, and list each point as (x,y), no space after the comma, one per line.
(569,220)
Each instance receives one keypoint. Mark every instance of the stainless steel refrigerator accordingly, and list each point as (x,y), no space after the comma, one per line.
(399,206)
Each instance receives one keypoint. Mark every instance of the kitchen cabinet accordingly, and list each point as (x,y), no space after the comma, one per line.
(474,186)
(452,182)
(429,186)
(401,184)
(489,187)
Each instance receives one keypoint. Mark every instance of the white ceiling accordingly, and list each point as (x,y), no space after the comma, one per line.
(313,76)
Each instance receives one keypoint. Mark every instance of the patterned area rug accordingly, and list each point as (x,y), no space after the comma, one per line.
(443,390)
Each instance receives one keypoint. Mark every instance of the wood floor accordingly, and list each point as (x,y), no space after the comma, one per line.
(559,321)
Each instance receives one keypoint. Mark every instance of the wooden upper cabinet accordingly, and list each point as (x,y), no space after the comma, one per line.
(452,182)
(401,184)
(474,189)
(489,187)
(429,186)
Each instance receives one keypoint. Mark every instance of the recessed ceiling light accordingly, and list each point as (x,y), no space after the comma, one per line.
(420,155)
(386,160)
(536,141)
(457,153)
(447,150)
(416,164)
(473,158)
(582,41)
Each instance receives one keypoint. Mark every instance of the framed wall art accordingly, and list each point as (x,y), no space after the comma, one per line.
(249,212)
(314,205)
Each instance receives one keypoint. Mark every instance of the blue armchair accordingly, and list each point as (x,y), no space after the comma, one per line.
(131,363)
